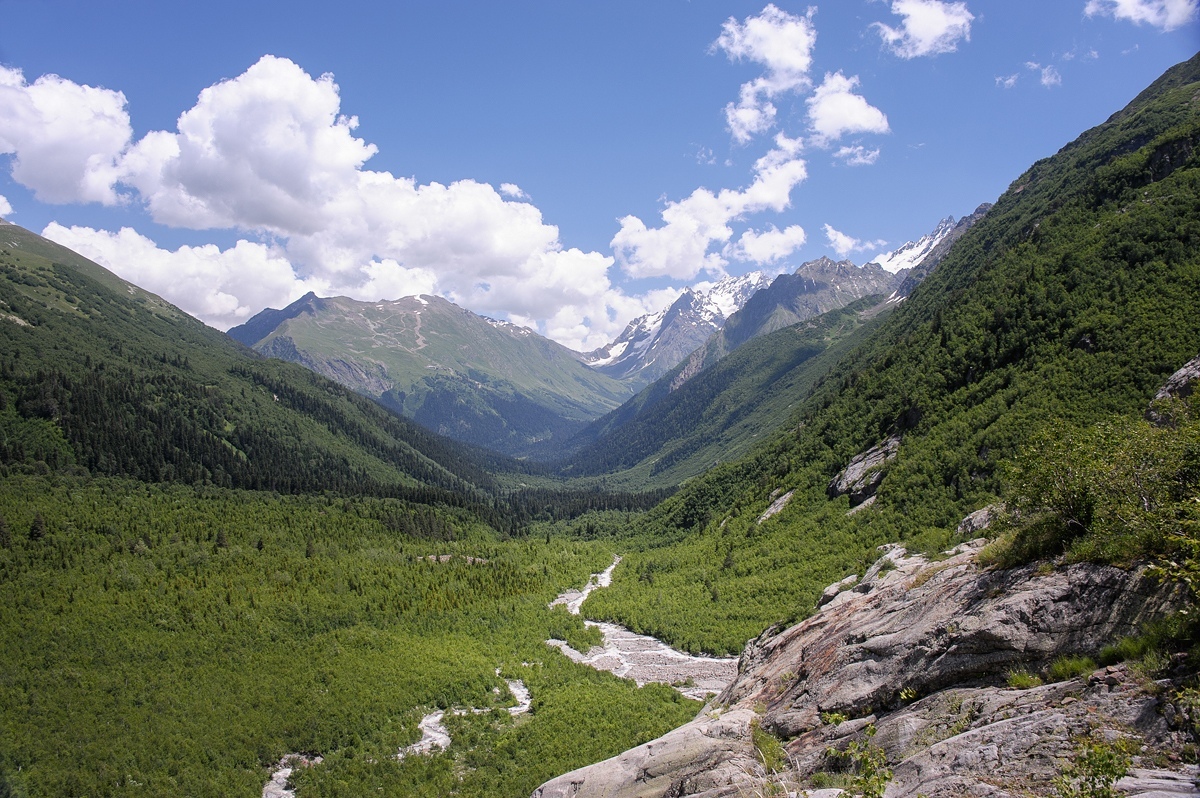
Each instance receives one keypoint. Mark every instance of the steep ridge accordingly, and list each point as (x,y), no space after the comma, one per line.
(816,287)
(933,255)
(462,375)
(693,417)
(910,254)
(675,429)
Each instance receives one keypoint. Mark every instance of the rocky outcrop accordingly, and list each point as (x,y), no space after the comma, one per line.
(777,506)
(711,755)
(919,650)
(862,475)
(1180,385)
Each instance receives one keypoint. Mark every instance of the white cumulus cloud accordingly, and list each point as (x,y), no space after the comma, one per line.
(5,208)
(223,287)
(1007,81)
(834,110)
(267,150)
(513,191)
(844,245)
(769,246)
(783,44)
(680,248)
(65,139)
(1166,15)
(929,27)
(270,153)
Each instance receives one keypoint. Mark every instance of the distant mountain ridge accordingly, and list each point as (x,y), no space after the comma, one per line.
(675,429)
(653,344)
(933,254)
(912,253)
(711,407)
(817,287)
(471,378)
(501,386)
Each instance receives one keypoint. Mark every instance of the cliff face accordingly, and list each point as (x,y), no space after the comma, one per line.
(920,651)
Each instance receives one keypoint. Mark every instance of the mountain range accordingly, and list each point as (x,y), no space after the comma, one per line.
(459,374)
(505,387)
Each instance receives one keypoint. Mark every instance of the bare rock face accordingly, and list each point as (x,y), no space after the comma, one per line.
(864,472)
(1179,385)
(926,626)
(920,651)
(708,756)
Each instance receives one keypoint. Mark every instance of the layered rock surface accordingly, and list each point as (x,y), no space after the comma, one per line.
(920,651)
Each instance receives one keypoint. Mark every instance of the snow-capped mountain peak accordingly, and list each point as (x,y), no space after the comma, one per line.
(653,344)
(731,293)
(912,253)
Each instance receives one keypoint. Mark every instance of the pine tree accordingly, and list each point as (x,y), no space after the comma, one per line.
(37,530)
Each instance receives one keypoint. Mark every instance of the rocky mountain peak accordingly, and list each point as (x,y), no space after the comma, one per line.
(911,253)
(653,344)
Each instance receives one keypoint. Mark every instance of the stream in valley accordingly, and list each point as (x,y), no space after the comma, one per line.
(642,658)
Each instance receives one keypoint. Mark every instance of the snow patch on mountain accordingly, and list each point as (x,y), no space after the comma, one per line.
(912,253)
(653,344)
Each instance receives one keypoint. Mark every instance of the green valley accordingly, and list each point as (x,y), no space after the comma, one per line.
(210,558)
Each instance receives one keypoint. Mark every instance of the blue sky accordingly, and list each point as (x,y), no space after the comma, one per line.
(564,164)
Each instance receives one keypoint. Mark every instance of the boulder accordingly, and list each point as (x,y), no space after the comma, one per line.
(710,756)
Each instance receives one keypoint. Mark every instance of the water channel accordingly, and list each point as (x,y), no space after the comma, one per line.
(642,658)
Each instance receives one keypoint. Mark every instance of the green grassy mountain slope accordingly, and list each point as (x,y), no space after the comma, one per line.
(101,377)
(475,380)
(1068,303)
(677,428)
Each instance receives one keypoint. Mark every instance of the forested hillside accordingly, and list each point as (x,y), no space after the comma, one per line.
(1069,302)
(98,375)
